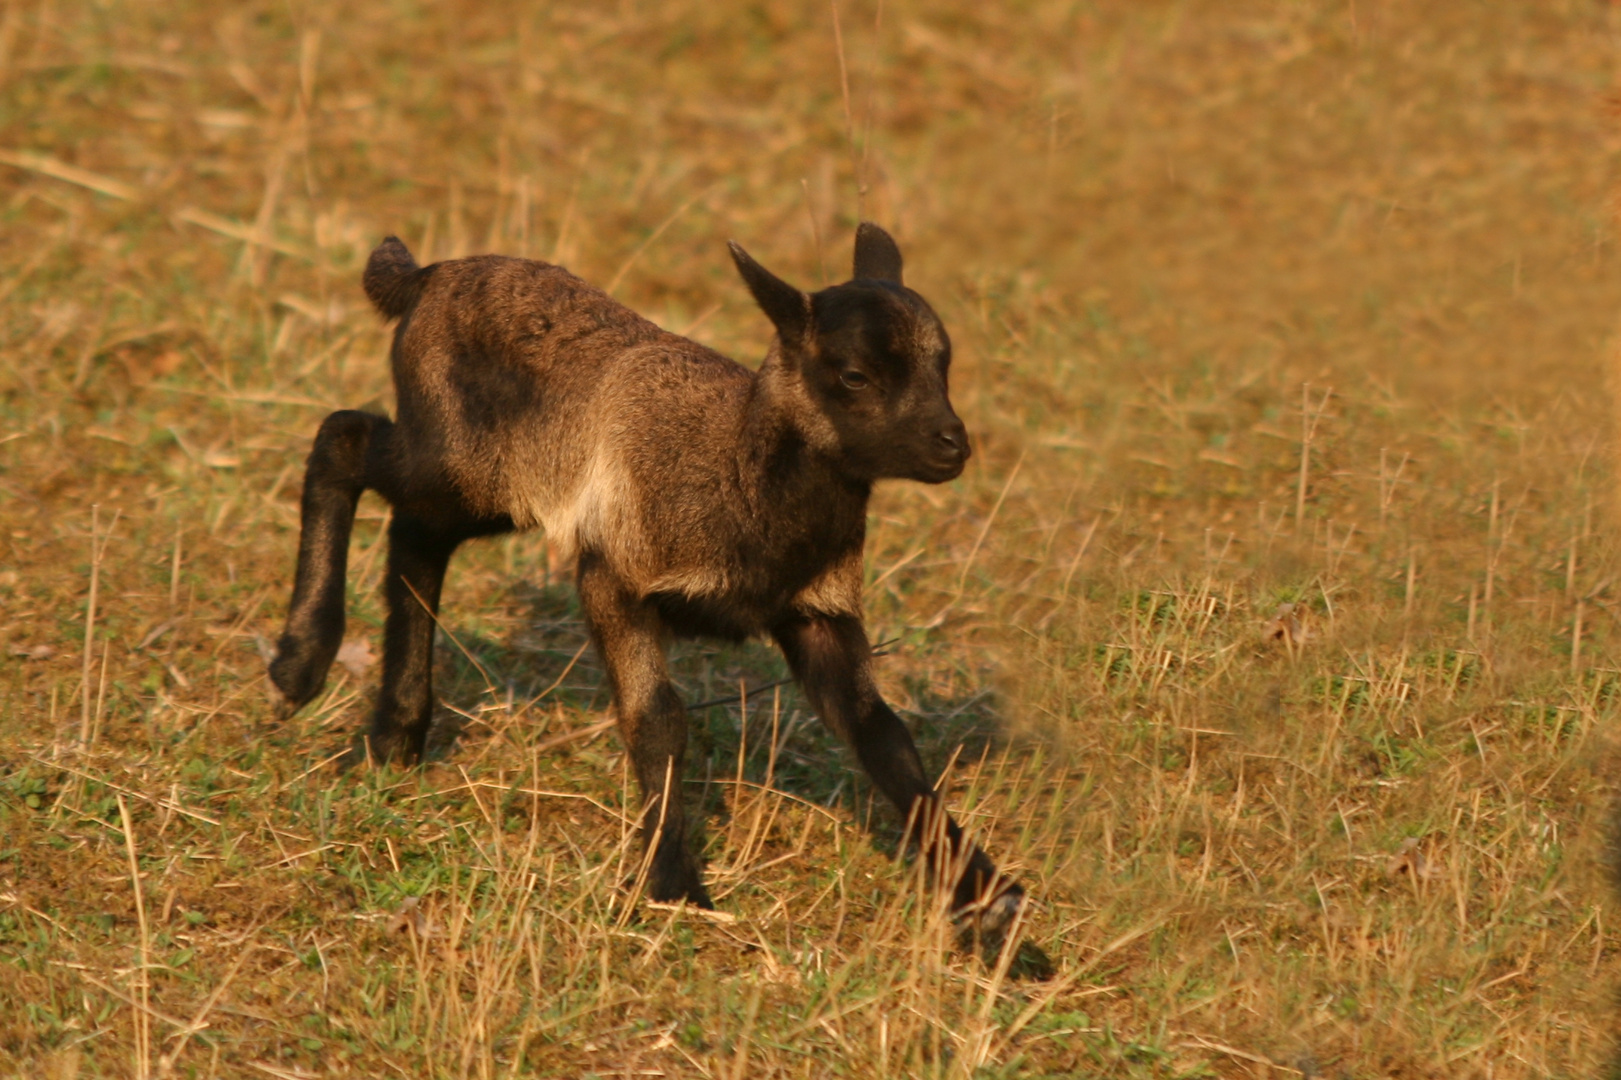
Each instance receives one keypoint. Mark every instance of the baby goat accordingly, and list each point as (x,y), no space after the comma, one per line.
(697,497)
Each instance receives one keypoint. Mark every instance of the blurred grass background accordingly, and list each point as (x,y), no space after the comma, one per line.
(1255,304)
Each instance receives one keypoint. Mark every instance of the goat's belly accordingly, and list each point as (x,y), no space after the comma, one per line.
(741,604)
(729,618)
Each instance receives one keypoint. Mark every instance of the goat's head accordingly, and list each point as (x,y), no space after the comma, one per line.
(871,357)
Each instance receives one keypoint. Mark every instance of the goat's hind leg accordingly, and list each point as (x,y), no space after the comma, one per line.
(334,477)
(418,554)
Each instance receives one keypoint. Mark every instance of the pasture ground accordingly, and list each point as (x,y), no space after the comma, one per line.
(1255,304)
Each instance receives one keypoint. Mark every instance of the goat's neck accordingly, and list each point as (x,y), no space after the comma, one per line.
(781,465)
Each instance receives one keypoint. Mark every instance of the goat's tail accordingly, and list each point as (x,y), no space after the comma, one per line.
(393,280)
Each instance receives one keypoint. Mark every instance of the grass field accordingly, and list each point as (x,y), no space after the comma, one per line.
(1271,636)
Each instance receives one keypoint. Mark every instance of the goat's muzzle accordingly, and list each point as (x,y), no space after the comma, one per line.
(945,453)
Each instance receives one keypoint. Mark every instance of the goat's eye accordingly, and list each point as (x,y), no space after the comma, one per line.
(854,380)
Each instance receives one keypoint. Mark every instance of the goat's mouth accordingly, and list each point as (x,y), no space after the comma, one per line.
(938,468)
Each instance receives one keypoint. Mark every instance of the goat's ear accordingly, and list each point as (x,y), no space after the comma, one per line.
(787,308)
(877,257)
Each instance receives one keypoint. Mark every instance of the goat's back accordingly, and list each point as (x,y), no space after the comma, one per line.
(532,394)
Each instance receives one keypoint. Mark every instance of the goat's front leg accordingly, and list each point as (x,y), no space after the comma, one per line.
(628,635)
(832,660)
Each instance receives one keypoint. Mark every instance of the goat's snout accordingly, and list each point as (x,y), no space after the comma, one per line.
(953,437)
(944,452)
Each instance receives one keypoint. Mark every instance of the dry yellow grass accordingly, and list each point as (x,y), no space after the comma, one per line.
(1255,304)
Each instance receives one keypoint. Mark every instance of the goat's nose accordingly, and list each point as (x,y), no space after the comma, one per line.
(955,436)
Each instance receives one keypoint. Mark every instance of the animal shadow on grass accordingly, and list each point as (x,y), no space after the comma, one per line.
(545,661)
(549,654)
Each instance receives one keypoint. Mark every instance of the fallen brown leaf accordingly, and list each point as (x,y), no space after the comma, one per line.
(410,917)
(1290,624)
(356,656)
(1410,859)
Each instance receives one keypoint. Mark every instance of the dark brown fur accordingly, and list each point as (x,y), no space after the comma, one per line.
(699,498)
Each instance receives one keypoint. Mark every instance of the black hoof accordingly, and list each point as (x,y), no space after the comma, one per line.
(988,919)
(671,881)
(692,892)
(699,899)
(282,708)
(395,746)
(297,679)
